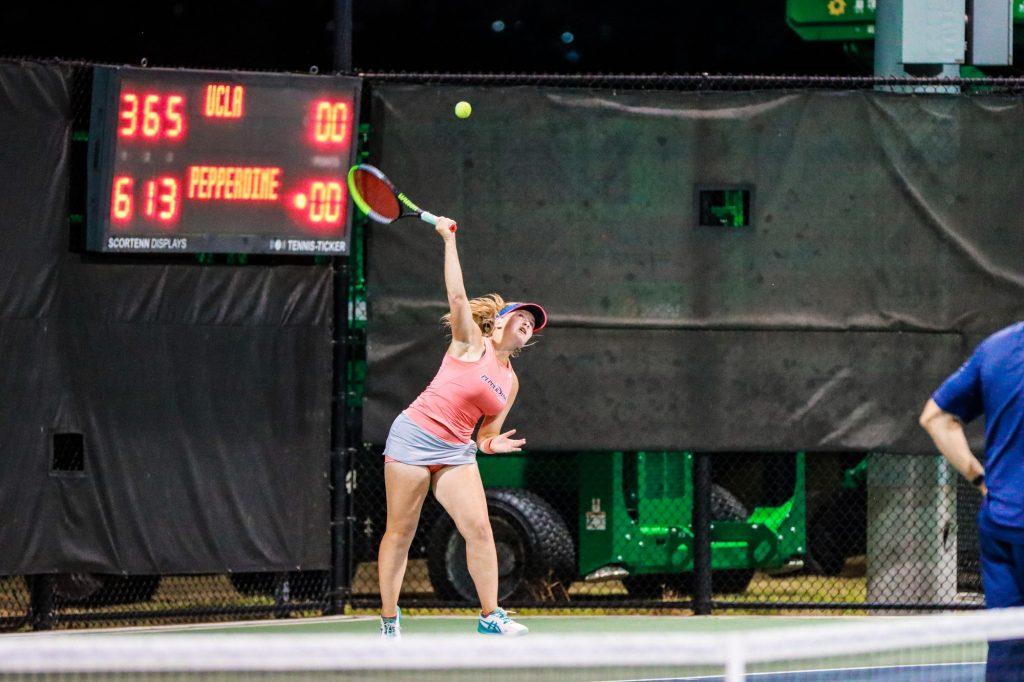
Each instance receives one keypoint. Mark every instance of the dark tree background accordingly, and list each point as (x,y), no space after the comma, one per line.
(565,36)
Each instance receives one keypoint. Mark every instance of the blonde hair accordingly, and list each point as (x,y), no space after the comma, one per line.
(485,310)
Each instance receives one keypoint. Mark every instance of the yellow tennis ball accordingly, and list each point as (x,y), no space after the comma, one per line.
(463,109)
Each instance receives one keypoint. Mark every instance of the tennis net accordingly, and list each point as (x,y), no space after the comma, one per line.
(943,647)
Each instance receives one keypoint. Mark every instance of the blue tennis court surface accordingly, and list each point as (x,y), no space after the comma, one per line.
(945,672)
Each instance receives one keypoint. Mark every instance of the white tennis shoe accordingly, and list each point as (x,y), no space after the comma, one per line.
(391,628)
(498,623)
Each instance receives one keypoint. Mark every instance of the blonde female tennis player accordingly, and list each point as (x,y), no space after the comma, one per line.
(430,443)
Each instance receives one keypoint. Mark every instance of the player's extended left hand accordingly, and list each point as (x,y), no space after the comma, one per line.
(502,443)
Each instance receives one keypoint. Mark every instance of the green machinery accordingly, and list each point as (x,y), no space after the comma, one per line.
(845,20)
(640,518)
(632,514)
(841,20)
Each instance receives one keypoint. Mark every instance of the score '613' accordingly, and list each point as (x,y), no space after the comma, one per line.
(160,200)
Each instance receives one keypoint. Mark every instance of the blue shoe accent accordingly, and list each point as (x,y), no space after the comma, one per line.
(391,628)
(487,627)
(498,623)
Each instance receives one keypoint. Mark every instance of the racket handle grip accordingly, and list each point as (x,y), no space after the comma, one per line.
(428,217)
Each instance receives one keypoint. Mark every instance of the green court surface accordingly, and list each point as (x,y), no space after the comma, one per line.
(413,625)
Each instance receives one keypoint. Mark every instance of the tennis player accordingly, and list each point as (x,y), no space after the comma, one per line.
(991,382)
(430,444)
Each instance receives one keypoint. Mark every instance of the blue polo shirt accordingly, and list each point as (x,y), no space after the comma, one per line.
(991,382)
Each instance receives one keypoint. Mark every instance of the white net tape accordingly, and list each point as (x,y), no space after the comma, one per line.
(732,654)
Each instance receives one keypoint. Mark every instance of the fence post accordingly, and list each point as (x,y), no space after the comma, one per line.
(343,36)
(41,601)
(340,459)
(702,533)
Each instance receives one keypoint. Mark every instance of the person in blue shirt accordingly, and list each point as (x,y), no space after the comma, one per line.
(991,382)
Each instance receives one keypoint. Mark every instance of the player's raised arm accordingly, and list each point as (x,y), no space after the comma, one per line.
(464,330)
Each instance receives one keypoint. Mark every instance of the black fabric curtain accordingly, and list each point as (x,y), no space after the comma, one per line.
(201,392)
(884,239)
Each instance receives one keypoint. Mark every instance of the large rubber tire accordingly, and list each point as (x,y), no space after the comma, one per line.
(536,556)
(96,589)
(299,585)
(726,507)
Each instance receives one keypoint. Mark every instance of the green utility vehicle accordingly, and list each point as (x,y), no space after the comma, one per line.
(592,517)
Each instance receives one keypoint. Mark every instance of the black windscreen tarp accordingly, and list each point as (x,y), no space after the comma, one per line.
(885,239)
(202,393)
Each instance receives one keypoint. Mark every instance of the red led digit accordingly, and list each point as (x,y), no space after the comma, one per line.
(149,208)
(339,129)
(330,123)
(169,204)
(316,202)
(128,114)
(150,116)
(332,205)
(175,117)
(321,129)
(121,201)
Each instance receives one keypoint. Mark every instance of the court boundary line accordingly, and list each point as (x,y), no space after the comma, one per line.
(288,623)
(185,627)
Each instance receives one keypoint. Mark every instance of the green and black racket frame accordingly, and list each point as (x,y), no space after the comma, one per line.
(380,200)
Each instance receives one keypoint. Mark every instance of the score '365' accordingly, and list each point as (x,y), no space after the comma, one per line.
(152,117)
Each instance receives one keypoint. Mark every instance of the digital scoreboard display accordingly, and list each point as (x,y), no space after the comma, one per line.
(220,162)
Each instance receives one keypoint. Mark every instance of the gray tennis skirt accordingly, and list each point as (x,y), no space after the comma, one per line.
(409,443)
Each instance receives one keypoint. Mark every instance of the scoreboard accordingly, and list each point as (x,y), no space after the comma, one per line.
(204,161)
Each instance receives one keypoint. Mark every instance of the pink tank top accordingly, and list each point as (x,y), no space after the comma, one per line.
(460,394)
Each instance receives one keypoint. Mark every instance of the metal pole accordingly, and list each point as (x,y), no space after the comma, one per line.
(343,36)
(282,595)
(889,39)
(889,51)
(735,663)
(41,601)
(340,460)
(702,534)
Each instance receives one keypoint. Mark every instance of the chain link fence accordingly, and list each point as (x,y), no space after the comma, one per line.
(65,600)
(597,531)
(712,82)
(603,531)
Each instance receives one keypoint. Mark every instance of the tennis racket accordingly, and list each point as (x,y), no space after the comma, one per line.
(378,198)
